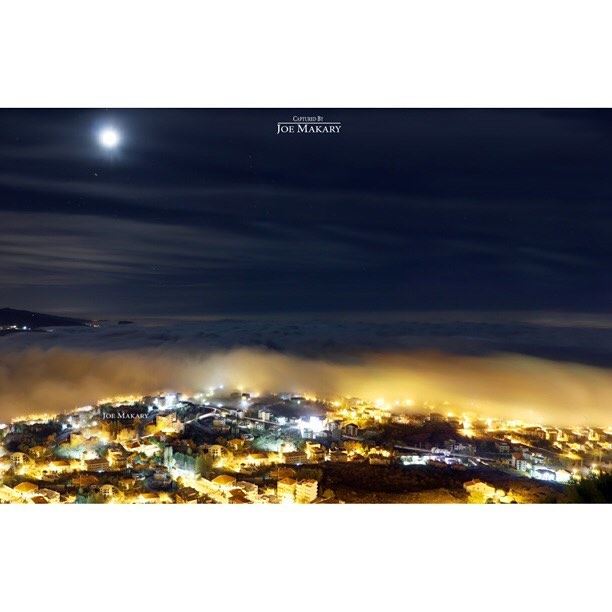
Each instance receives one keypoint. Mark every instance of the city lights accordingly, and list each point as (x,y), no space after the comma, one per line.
(215,447)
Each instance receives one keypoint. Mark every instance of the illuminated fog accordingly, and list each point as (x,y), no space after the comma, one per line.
(34,380)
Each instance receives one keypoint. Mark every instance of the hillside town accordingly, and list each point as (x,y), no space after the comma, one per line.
(240,447)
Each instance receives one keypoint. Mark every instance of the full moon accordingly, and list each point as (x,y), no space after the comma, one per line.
(109,137)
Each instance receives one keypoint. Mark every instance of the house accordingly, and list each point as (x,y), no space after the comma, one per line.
(306,491)
(479,490)
(8,495)
(224,482)
(351,430)
(38,451)
(519,462)
(168,424)
(19,460)
(295,458)
(250,489)
(187,495)
(59,465)
(84,480)
(141,446)
(318,455)
(256,459)
(26,489)
(235,444)
(127,483)
(563,476)
(238,496)
(96,465)
(503,448)
(523,465)
(216,451)
(338,456)
(285,489)
(544,474)
(315,452)
(117,457)
(108,491)
(53,497)
(335,429)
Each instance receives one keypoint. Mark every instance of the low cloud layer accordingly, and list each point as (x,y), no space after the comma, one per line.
(37,380)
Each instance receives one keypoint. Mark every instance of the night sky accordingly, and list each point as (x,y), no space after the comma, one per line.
(210,212)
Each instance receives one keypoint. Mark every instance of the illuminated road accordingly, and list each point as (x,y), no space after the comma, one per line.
(427,451)
(445,454)
(200,417)
(223,412)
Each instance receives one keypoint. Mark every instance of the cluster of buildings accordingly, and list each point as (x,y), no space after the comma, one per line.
(137,450)
(480,492)
(239,447)
(7,328)
(536,465)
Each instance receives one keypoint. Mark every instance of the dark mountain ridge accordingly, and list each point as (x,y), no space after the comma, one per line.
(32,320)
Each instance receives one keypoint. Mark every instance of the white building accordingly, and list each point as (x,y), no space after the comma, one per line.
(26,489)
(285,489)
(53,497)
(542,473)
(479,489)
(563,476)
(224,482)
(108,491)
(20,460)
(306,491)
(169,424)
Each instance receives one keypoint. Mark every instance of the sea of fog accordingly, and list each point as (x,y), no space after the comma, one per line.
(546,369)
